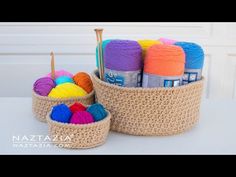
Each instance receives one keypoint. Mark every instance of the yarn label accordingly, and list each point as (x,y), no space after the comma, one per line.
(151,80)
(123,78)
(191,75)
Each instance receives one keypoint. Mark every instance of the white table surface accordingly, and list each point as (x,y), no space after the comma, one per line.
(214,134)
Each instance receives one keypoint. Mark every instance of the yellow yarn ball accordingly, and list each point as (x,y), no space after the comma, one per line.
(67,90)
(145,44)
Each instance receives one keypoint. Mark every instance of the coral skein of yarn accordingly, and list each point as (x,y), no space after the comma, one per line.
(98,111)
(81,117)
(43,86)
(163,66)
(83,80)
(194,56)
(61,113)
(104,44)
(167,41)
(145,44)
(60,73)
(67,90)
(123,63)
(77,107)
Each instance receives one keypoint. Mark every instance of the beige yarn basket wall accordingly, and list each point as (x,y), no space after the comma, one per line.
(80,136)
(41,105)
(150,111)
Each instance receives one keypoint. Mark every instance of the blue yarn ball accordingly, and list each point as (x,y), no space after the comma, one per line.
(98,111)
(63,79)
(104,44)
(61,113)
(194,55)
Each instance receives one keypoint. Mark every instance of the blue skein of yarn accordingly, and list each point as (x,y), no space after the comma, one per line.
(194,55)
(61,113)
(104,44)
(98,111)
(63,79)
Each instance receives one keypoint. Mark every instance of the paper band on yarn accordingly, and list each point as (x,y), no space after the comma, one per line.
(123,78)
(151,80)
(191,75)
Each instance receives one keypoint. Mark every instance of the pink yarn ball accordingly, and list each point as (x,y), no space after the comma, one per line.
(167,41)
(61,73)
(81,117)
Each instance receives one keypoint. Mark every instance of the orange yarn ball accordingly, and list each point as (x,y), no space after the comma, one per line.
(83,80)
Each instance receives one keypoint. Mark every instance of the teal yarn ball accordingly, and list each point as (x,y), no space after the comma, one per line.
(98,111)
(63,79)
(104,44)
(61,113)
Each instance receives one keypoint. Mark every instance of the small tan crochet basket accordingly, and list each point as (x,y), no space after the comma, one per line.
(150,111)
(41,105)
(79,136)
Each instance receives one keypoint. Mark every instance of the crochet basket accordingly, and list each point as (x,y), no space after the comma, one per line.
(76,136)
(41,105)
(150,111)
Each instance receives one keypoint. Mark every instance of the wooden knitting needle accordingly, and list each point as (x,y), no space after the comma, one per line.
(52,66)
(101,52)
(100,57)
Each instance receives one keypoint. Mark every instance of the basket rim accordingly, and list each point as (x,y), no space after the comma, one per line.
(95,77)
(79,126)
(63,99)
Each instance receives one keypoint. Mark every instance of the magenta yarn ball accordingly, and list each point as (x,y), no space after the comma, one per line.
(81,117)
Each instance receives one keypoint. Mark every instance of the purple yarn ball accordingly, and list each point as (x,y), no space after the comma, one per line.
(43,86)
(123,55)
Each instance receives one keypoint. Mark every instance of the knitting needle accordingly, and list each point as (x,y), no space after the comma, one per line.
(100,60)
(101,52)
(52,66)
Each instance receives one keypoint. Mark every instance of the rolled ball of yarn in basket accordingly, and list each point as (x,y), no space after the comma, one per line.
(194,56)
(61,113)
(163,66)
(104,44)
(167,41)
(77,107)
(81,117)
(43,86)
(145,44)
(98,111)
(67,90)
(60,73)
(63,79)
(123,63)
(83,80)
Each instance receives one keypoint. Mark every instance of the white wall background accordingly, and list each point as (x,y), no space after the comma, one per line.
(25,48)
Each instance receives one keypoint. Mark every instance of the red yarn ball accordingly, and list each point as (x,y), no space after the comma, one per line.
(77,107)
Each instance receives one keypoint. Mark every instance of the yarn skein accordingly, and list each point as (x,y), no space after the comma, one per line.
(83,80)
(167,41)
(77,107)
(104,44)
(61,113)
(67,90)
(82,117)
(194,56)
(163,66)
(98,111)
(43,86)
(123,63)
(61,73)
(145,44)
(63,79)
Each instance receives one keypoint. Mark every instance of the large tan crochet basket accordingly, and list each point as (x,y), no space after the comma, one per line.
(79,136)
(41,105)
(150,111)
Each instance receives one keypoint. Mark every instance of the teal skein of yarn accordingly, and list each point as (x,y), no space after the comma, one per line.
(98,111)
(63,79)
(61,113)
(104,44)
